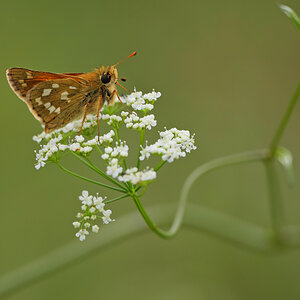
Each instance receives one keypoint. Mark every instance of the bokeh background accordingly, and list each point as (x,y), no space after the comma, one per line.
(226,70)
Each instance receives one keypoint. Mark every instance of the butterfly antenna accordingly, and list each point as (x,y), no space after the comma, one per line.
(119,84)
(132,54)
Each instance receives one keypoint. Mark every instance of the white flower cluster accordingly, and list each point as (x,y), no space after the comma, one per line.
(141,102)
(90,121)
(93,210)
(134,176)
(48,150)
(112,157)
(138,123)
(110,119)
(172,144)
(79,145)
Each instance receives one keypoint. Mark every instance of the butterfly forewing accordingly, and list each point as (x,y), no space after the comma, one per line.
(55,101)
(22,80)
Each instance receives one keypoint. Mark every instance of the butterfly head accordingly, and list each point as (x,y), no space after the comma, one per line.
(108,75)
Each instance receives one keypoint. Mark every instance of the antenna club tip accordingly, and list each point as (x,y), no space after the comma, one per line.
(133,54)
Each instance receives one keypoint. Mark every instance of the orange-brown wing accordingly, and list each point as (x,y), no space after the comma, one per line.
(22,80)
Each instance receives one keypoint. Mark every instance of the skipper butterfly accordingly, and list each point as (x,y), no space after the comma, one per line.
(56,99)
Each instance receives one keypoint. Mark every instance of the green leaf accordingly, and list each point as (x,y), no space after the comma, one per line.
(291,14)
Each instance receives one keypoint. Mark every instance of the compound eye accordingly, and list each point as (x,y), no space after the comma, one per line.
(105,78)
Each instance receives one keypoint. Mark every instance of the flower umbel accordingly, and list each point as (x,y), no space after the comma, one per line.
(92,211)
(113,151)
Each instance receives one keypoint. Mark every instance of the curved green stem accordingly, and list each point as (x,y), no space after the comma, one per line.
(260,155)
(274,200)
(284,121)
(87,179)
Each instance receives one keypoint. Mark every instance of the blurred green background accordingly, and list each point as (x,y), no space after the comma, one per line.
(226,70)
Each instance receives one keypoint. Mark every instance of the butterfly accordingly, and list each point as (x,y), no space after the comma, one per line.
(56,99)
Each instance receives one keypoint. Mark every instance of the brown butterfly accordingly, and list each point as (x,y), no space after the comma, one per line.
(57,99)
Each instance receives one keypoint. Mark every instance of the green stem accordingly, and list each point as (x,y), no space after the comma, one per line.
(142,138)
(116,130)
(87,179)
(284,121)
(198,217)
(115,199)
(160,164)
(205,168)
(99,150)
(274,200)
(89,164)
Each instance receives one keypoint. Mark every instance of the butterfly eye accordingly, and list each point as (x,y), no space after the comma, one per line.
(105,78)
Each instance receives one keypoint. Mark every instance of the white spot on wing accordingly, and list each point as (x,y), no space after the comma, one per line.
(47,105)
(24,84)
(51,109)
(38,101)
(29,75)
(57,110)
(46,92)
(55,85)
(64,96)
(21,81)
(72,87)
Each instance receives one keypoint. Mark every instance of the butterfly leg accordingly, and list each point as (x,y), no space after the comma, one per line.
(84,117)
(115,92)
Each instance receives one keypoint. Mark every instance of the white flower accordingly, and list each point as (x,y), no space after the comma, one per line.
(98,202)
(172,145)
(138,104)
(138,101)
(95,228)
(148,121)
(124,113)
(86,149)
(134,176)
(40,162)
(81,234)
(105,156)
(113,168)
(87,225)
(76,224)
(85,198)
(108,150)
(106,216)
(79,138)
(74,147)
(148,175)
(62,147)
